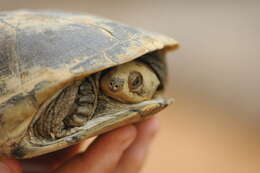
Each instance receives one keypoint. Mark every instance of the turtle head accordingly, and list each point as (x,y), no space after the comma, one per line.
(132,82)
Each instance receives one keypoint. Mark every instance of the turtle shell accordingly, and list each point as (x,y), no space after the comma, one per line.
(43,51)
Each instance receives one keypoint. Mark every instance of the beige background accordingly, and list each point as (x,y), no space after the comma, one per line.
(214,76)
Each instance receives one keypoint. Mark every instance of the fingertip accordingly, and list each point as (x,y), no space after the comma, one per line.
(150,126)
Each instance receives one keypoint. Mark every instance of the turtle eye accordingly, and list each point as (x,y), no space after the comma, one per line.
(135,81)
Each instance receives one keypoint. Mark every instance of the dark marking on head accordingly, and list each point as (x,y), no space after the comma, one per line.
(18,152)
(116,84)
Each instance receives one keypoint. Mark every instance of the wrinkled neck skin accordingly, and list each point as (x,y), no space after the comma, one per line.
(83,109)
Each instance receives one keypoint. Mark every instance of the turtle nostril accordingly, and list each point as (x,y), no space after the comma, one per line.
(116,84)
(116,87)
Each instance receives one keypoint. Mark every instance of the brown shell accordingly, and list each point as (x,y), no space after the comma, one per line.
(42,51)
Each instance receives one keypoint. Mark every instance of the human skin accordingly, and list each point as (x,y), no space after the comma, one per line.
(122,150)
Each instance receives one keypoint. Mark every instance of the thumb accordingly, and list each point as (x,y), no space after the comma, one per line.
(10,166)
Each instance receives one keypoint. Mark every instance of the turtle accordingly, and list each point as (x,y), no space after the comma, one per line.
(66,77)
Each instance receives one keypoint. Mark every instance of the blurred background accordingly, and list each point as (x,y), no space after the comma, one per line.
(214,77)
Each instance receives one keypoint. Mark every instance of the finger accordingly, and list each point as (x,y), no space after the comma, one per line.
(10,166)
(134,156)
(49,162)
(103,154)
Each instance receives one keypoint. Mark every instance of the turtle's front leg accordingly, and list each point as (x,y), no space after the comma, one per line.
(85,104)
(51,115)
(72,107)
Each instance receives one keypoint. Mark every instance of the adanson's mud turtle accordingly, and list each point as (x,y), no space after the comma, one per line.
(66,77)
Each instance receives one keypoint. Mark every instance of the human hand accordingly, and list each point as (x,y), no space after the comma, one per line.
(122,150)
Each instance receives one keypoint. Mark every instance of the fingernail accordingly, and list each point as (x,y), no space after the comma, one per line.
(4,168)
